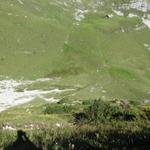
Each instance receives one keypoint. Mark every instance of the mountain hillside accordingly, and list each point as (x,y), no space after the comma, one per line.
(102,46)
(75,74)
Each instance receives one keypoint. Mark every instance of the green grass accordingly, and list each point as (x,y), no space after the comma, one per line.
(48,43)
(42,39)
(32,113)
(104,125)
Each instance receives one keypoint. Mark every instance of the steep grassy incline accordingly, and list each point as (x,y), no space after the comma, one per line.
(85,42)
(118,60)
(32,34)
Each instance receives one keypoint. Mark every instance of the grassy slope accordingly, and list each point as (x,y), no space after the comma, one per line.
(41,38)
(31,42)
(43,41)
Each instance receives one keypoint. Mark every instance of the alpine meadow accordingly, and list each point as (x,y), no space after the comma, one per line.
(74,74)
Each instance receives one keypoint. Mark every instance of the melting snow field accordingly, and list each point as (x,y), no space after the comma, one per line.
(9,97)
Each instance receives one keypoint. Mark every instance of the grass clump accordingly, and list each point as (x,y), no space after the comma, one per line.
(59,108)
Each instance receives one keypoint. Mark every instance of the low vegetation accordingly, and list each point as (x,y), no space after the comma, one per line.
(59,109)
(100,125)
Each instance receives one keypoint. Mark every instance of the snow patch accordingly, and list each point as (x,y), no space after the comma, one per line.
(146,22)
(147,46)
(80,14)
(110,15)
(117,12)
(20,1)
(139,27)
(9,97)
(8,127)
(132,15)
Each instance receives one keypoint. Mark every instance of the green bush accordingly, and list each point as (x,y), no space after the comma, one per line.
(100,111)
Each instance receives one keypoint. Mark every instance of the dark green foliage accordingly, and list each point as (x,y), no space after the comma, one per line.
(146,110)
(113,139)
(101,125)
(70,70)
(88,102)
(100,111)
(59,108)
(102,137)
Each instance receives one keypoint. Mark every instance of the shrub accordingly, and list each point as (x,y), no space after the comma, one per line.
(100,111)
(146,110)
